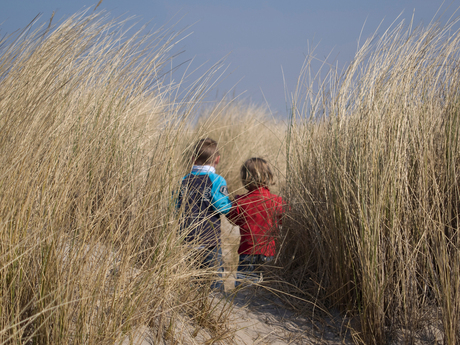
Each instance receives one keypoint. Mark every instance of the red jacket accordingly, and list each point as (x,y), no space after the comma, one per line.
(258,214)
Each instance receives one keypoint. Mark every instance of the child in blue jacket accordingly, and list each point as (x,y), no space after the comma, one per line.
(204,197)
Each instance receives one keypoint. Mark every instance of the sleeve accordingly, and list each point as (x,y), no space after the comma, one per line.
(282,208)
(219,198)
(177,199)
(234,213)
(177,195)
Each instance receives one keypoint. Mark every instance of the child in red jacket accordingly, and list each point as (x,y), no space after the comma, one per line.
(258,214)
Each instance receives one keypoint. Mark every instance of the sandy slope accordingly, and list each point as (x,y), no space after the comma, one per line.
(256,316)
(259,317)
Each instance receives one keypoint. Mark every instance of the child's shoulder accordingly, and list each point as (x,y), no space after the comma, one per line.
(218,183)
(277,199)
(215,177)
(242,199)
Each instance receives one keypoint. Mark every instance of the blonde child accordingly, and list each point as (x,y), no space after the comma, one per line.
(258,214)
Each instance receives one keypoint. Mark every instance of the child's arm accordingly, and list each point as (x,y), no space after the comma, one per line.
(281,210)
(219,194)
(234,214)
(178,194)
(177,198)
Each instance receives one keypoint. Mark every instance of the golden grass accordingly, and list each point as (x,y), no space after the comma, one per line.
(92,149)
(373,180)
(88,247)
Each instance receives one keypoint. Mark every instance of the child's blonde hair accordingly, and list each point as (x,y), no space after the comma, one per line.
(205,151)
(256,173)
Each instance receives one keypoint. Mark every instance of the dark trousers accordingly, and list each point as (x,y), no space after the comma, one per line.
(248,268)
(212,258)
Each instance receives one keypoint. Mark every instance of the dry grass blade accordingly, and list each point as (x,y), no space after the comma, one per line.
(373,179)
(90,156)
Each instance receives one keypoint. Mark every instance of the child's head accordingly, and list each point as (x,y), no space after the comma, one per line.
(256,173)
(205,152)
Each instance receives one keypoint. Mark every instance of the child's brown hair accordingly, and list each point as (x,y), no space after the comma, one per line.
(205,151)
(256,173)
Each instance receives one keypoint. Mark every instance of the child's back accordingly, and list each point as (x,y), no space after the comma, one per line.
(258,214)
(203,197)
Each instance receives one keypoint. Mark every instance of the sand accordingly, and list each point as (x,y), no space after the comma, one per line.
(256,316)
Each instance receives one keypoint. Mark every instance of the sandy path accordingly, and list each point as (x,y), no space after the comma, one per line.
(259,317)
(230,242)
(256,316)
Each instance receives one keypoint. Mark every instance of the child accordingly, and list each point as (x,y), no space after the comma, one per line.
(204,197)
(257,213)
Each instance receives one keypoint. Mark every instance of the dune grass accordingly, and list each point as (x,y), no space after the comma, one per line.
(94,136)
(90,156)
(374,184)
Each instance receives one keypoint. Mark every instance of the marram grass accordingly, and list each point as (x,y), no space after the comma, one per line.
(92,149)
(374,184)
(90,154)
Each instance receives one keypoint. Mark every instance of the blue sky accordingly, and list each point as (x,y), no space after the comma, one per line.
(261,38)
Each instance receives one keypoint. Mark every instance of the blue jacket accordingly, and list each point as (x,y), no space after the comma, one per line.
(204,197)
